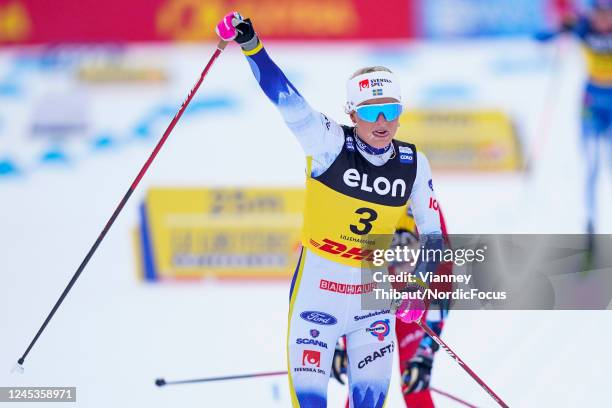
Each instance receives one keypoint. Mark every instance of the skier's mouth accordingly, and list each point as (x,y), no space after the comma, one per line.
(381,133)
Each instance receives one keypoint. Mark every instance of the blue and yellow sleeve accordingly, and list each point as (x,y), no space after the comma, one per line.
(270,77)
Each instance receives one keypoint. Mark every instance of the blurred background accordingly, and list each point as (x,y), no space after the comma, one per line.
(193,279)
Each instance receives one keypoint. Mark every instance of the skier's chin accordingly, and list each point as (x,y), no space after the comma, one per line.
(380,139)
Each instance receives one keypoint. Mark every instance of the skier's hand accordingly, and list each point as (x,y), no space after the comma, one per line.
(340,362)
(417,372)
(403,238)
(234,27)
(411,310)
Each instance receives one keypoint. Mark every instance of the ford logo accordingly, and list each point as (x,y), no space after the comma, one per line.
(319,318)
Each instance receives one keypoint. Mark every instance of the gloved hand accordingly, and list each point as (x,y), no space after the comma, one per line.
(417,372)
(340,362)
(411,310)
(234,27)
(403,238)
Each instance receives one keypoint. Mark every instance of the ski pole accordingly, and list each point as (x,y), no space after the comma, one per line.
(220,47)
(160,382)
(450,396)
(458,359)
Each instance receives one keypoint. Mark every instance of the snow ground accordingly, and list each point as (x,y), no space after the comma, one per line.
(114,334)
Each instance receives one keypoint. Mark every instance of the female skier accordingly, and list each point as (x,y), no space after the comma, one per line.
(358,181)
(594,31)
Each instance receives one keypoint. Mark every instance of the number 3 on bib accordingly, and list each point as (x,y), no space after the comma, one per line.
(365,222)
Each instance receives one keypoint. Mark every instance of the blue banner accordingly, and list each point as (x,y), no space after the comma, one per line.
(480,18)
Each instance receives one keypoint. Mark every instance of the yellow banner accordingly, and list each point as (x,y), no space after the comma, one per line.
(463,140)
(223,233)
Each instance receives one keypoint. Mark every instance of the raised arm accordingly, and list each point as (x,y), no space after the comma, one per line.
(575,24)
(317,134)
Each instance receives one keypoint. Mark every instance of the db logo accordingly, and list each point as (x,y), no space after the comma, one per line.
(337,248)
(364,84)
(433,203)
(311,358)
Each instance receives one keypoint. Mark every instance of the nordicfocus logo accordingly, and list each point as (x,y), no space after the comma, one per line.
(380,353)
(312,342)
(318,318)
(364,84)
(381,185)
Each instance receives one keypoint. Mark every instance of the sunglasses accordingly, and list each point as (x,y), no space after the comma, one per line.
(370,113)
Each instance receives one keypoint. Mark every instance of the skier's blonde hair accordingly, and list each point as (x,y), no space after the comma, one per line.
(367,70)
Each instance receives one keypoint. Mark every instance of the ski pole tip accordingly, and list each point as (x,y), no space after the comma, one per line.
(18,368)
(160,382)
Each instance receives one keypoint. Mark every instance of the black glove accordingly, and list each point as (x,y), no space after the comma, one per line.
(403,238)
(417,372)
(245,31)
(339,362)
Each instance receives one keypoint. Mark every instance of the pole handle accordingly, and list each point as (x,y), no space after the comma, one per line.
(222,44)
